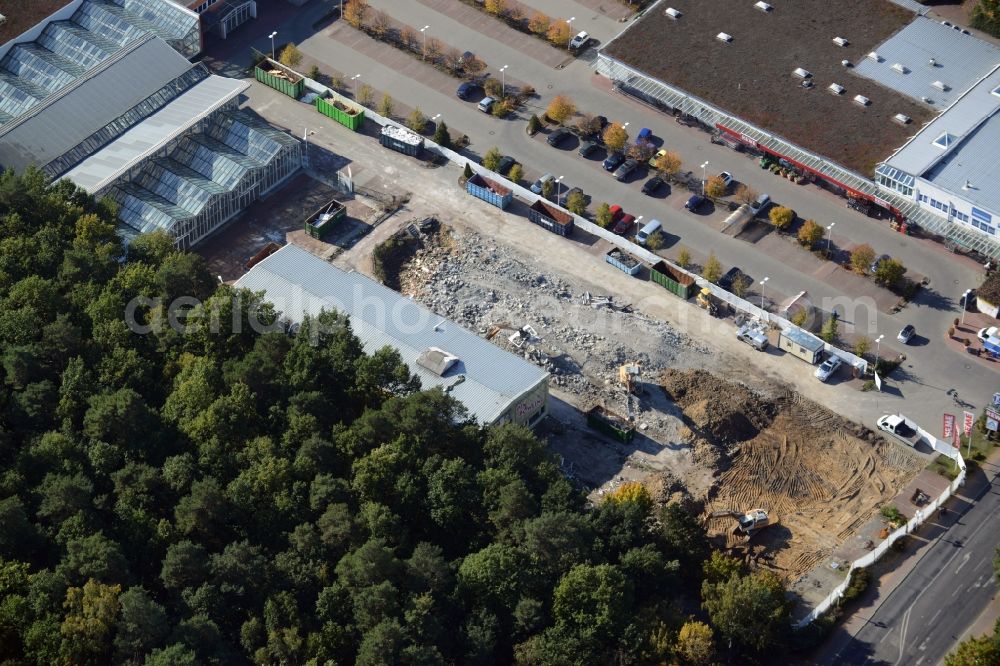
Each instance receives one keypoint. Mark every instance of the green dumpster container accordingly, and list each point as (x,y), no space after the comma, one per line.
(350,117)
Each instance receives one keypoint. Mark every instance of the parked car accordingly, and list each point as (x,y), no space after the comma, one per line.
(540,183)
(505,164)
(734,273)
(588,148)
(624,225)
(564,197)
(727,178)
(579,40)
(760,203)
(467,89)
(906,334)
(648,230)
(695,202)
(644,135)
(626,169)
(486,104)
(879,260)
(752,337)
(558,136)
(828,368)
(614,160)
(616,213)
(660,153)
(652,185)
(985,334)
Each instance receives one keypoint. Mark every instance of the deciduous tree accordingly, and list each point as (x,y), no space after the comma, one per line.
(559,33)
(603,215)
(712,270)
(810,233)
(889,272)
(716,187)
(781,216)
(615,136)
(560,109)
(539,23)
(861,258)
(290,56)
(492,158)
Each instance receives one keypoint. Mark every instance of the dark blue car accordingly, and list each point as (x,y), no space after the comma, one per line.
(614,160)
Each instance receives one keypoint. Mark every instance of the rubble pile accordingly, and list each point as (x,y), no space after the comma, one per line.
(581,337)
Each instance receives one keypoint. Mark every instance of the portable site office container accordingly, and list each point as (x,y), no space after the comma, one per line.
(673,280)
(279,77)
(349,116)
(801,344)
(488,191)
(551,218)
(404,141)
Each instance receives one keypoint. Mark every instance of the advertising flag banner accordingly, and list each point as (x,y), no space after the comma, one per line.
(970,418)
(949,426)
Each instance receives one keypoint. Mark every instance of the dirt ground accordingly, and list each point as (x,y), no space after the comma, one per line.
(751,77)
(279,218)
(819,476)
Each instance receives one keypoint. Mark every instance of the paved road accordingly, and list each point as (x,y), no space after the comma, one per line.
(931,369)
(926,615)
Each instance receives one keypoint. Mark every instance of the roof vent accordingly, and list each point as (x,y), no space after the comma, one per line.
(861,100)
(802,73)
(436,360)
(763,6)
(901,119)
(940,85)
(932,63)
(836,89)
(845,63)
(899,67)
(840,41)
(673,13)
(724,37)
(874,56)
(807,83)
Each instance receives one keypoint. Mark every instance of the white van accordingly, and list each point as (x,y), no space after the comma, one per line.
(647,231)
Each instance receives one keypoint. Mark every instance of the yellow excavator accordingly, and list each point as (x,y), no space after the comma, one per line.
(630,376)
(749,523)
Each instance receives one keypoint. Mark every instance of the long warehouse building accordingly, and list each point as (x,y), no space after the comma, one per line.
(494,385)
(103,93)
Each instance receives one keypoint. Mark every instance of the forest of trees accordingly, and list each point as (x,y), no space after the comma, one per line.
(231,496)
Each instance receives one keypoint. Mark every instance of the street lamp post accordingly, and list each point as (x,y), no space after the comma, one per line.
(965,304)
(503,82)
(355,79)
(878,349)
(559,189)
(271,37)
(306,133)
(569,37)
(423,32)
(703,181)
(762,283)
(829,237)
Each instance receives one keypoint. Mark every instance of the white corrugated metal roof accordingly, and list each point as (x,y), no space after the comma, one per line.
(971,155)
(958,62)
(90,103)
(298,282)
(149,135)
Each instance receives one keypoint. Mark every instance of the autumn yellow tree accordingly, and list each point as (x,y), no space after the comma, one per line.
(355,12)
(810,233)
(380,23)
(290,56)
(669,163)
(746,194)
(496,7)
(560,109)
(781,216)
(615,136)
(558,33)
(715,187)
(695,643)
(631,492)
(539,23)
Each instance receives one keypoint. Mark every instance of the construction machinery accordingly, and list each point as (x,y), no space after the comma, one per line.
(707,301)
(630,376)
(749,523)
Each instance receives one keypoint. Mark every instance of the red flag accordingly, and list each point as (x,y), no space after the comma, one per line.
(949,426)
(970,418)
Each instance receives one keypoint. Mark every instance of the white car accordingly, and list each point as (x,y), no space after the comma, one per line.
(828,368)
(906,333)
(581,39)
(727,178)
(985,334)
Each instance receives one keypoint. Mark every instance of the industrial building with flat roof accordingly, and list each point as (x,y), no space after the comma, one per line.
(846,84)
(494,385)
(103,94)
(950,167)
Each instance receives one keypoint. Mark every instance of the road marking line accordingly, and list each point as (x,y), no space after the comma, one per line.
(965,560)
(919,660)
(935,616)
(955,593)
(902,634)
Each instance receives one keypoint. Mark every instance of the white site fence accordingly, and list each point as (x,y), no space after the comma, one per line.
(529,197)
(918,519)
